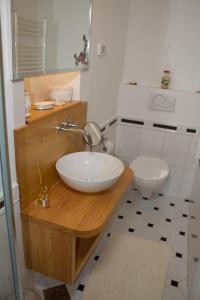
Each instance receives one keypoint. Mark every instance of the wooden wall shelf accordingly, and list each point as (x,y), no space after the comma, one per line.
(37,115)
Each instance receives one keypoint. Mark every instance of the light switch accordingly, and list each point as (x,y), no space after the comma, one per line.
(101,49)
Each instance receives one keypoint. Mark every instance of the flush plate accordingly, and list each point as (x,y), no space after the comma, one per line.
(162,102)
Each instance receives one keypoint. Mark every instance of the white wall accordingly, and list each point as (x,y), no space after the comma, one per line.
(147,31)
(163,35)
(100,84)
(183,44)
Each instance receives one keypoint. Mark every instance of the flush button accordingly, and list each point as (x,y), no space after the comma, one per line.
(162,102)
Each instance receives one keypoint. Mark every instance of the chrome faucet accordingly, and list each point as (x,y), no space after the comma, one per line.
(70,127)
(91,132)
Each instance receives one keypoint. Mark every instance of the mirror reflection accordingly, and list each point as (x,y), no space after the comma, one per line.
(50,36)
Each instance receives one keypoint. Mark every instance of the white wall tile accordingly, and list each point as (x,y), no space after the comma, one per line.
(151,142)
(188,180)
(173,185)
(175,149)
(127,161)
(127,141)
(196,186)
(191,160)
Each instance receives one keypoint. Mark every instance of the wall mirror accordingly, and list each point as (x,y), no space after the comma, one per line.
(50,36)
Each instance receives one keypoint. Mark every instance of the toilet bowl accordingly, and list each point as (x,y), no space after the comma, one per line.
(149,174)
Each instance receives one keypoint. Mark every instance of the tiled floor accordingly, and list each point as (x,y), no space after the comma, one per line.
(160,218)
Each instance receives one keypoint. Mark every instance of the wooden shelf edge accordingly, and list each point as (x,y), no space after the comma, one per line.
(38,115)
(92,214)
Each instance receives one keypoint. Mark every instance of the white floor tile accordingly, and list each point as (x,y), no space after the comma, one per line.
(170,212)
(76,295)
(163,201)
(166,229)
(183,287)
(179,243)
(177,269)
(182,206)
(118,226)
(173,293)
(181,224)
(135,221)
(168,282)
(153,217)
(147,233)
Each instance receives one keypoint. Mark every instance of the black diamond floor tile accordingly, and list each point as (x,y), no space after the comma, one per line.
(120,217)
(96,257)
(172,204)
(81,287)
(181,232)
(184,215)
(164,239)
(179,255)
(138,212)
(150,225)
(168,220)
(174,283)
(156,208)
(131,230)
(128,201)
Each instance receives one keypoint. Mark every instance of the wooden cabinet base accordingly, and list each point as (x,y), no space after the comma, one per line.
(53,253)
(59,240)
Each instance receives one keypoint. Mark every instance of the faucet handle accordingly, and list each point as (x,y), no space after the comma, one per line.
(70,124)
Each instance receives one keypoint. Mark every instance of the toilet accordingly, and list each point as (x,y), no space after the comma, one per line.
(150,174)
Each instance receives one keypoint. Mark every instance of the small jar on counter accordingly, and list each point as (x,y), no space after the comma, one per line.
(27,104)
(165,79)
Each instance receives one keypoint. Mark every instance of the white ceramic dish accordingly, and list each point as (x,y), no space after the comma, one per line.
(43,105)
(43,108)
(89,171)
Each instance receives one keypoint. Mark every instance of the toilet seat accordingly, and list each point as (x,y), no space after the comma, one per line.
(149,168)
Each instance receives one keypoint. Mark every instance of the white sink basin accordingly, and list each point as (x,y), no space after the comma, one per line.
(89,171)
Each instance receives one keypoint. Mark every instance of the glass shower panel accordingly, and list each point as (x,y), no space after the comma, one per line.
(6,278)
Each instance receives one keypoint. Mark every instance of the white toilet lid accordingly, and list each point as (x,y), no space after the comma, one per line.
(149,168)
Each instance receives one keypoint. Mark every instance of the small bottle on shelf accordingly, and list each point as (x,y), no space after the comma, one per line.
(165,79)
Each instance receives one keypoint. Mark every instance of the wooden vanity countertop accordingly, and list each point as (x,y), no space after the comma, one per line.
(80,214)
(37,115)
